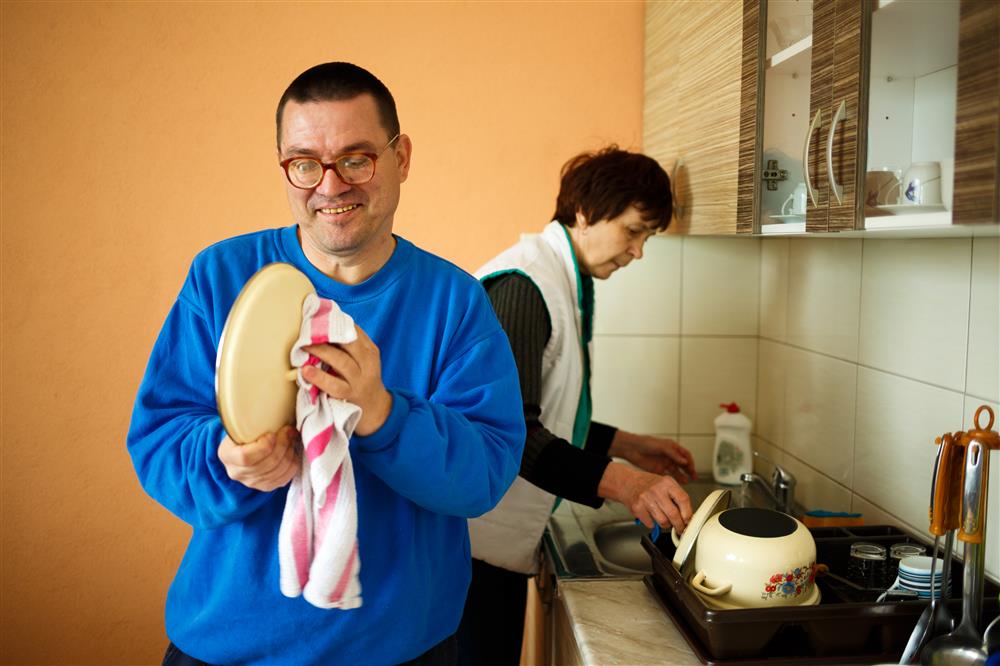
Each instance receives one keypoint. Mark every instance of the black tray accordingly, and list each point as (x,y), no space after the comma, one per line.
(847,626)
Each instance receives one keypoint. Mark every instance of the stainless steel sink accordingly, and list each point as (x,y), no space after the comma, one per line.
(616,543)
(605,543)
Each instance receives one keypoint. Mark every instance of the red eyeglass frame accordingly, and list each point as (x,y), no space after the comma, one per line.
(332,166)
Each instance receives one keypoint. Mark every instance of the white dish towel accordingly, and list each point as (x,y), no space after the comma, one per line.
(318,538)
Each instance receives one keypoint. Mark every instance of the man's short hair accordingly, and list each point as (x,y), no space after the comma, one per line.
(603,184)
(334,81)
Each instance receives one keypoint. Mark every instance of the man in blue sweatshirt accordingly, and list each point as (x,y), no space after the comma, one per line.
(439,440)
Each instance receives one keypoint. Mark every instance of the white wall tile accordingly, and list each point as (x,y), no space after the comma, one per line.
(915,308)
(993,496)
(815,490)
(771,452)
(719,288)
(635,382)
(984,321)
(644,297)
(894,449)
(876,515)
(774,288)
(772,368)
(715,371)
(701,446)
(824,289)
(820,398)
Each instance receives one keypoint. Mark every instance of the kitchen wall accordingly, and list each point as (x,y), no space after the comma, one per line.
(849,355)
(136,133)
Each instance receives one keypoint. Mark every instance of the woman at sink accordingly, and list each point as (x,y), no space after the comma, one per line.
(609,204)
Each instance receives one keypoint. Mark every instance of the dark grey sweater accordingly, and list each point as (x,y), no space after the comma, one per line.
(549,462)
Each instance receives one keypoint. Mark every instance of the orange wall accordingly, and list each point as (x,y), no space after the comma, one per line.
(114,118)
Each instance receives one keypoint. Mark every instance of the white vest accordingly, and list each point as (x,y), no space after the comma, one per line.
(509,536)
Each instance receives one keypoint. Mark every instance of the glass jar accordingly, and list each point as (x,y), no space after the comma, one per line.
(867,565)
(897,552)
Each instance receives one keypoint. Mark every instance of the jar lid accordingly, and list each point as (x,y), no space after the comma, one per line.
(863,550)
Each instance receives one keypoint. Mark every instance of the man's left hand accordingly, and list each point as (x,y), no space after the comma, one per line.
(355,375)
(659,455)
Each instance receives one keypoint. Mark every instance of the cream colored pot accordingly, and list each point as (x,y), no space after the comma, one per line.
(755,558)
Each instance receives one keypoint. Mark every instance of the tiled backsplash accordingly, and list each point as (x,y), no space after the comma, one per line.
(849,355)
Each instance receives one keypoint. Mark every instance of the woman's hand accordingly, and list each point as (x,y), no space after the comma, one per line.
(649,497)
(658,455)
(267,463)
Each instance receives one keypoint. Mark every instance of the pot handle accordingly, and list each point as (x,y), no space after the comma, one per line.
(698,583)
(673,536)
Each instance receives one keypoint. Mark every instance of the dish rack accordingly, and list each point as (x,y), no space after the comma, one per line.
(847,626)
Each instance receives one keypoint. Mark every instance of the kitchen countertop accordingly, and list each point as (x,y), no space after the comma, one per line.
(620,622)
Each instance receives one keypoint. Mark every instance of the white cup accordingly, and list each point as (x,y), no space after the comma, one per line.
(789,29)
(947,182)
(795,204)
(922,184)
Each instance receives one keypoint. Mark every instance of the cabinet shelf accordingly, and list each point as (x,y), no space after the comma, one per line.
(940,218)
(793,58)
(783,229)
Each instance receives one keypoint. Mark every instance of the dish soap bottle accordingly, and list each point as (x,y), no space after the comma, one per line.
(732,455)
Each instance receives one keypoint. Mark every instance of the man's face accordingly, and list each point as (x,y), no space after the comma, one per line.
(340,222)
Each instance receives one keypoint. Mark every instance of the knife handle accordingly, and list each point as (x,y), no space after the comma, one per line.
(952,515)
(934,510)
(977,468)
(946,487)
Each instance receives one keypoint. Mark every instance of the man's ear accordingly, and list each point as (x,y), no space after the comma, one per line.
(403,151)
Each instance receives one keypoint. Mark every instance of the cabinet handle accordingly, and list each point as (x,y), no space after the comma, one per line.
(805,156)
(837,117)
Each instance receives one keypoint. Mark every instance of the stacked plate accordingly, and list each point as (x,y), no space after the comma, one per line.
(915,575)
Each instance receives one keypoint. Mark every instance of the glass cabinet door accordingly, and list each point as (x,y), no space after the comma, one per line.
(784,191)
(912,92)
(864,112)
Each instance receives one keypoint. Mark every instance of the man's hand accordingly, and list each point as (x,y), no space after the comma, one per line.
(355,376)
(265,464)
(658,455)
(649,497)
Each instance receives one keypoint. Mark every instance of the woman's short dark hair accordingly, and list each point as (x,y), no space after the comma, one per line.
(603,184)
(339,81)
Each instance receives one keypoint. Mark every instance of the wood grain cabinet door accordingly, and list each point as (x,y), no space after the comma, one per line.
(691,112)
(977,125)
(836,101)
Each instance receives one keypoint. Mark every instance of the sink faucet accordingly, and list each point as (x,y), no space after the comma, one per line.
(780,489)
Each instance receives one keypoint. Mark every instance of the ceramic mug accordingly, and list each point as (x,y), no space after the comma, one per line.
(755,558)
(881,187)
(789,29)
(795,204)
(922,184)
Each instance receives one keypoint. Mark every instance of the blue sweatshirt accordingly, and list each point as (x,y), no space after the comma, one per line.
(448,451)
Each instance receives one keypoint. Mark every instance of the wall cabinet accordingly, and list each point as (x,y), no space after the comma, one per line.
(870,111)
(852,114)
(691,113)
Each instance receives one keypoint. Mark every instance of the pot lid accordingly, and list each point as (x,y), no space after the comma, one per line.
(255,384)
(717,500)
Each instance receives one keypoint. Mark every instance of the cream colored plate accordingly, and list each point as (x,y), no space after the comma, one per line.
(254,380)
(718,604)
(717,500)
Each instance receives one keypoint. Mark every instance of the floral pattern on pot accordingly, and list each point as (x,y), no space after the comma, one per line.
(791,583)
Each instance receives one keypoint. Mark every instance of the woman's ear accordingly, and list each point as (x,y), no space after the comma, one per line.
(581,221)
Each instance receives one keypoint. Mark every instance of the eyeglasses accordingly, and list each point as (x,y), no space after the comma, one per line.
(352,168)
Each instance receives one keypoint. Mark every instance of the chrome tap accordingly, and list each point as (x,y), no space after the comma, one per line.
(780,489)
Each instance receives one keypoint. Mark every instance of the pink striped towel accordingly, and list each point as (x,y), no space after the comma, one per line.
(318,538)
